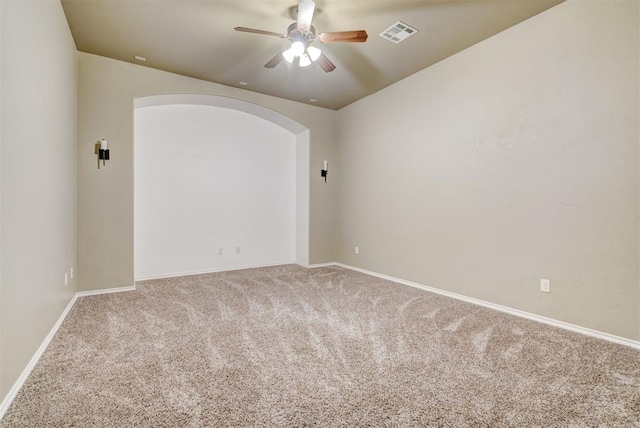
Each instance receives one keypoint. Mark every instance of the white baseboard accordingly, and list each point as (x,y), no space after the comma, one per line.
(316,265)
(11,395)
(550,321)
(105,291)
(216,270)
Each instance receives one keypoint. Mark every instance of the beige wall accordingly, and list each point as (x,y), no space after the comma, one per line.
(106,92)
(38,175)
(512,161)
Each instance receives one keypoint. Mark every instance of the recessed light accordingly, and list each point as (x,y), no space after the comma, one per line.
(243,83)
(313,100)
(140,58)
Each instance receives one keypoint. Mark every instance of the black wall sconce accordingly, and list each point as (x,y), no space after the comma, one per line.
(102,150)
(325,170)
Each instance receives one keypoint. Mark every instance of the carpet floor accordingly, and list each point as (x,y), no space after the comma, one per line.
(289,346)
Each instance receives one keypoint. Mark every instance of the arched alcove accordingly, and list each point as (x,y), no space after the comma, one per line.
(217,173)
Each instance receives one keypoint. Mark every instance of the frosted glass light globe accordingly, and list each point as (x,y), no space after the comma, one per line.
(297,48)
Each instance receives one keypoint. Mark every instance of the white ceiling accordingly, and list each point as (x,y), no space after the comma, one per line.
(196,38)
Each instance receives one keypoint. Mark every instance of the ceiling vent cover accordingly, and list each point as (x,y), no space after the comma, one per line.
(398,32)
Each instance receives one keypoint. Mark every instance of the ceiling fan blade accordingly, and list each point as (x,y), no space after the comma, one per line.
(305,14)
(265,33)
(343,36)
(325,63)
(274,61)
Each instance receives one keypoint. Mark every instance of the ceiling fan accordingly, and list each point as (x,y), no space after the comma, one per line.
(303,35)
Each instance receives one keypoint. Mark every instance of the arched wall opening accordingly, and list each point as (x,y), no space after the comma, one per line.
(219,183)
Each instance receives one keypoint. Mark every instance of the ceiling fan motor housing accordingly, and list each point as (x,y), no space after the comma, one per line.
(295,34)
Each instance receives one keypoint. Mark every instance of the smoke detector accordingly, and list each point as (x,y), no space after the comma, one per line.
(398,32)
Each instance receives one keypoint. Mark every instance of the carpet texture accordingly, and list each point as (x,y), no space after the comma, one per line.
(289,346)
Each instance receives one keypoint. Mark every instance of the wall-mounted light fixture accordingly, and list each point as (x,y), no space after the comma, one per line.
(102,150)
(325,170)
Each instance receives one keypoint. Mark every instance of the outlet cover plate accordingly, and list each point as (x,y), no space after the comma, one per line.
(545,285)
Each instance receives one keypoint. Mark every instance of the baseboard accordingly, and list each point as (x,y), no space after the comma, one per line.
(316,265)
(105,291)
(11,395)
(539,318)
(216,270)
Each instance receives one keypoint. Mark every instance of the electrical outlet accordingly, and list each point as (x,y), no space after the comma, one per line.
(66,278)
(237,250)
(71,272)
(357,250)
(220,251)
(545,285)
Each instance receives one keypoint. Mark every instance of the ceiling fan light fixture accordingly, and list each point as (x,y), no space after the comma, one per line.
(314,52)
(302,35)
(289,55)
(305,60)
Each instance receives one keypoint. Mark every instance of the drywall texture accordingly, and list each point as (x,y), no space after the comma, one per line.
(106,91)
(515,160)
(209,179)
(38,176)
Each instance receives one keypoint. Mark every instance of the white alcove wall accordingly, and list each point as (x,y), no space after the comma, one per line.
(217,175)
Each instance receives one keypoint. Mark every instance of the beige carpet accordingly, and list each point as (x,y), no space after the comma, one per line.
(288,346)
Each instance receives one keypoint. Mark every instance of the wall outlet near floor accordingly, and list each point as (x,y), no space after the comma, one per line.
(66,278)
(545,285)
(220,251)
(237,250)
(356,250)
